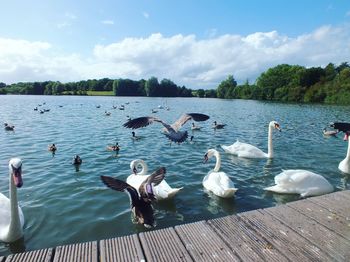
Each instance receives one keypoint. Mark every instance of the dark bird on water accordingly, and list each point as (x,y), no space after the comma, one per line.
(141,204)
(172,131)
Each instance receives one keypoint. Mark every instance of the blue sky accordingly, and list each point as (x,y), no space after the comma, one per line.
(194,43)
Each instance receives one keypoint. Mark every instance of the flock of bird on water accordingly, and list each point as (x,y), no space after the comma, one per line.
(143,189)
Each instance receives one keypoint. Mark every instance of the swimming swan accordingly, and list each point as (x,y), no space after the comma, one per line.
(172,131)
(161,191)
(249,151)
(303,182)
(217,182)
(11,215)
(141,207)
(344,165)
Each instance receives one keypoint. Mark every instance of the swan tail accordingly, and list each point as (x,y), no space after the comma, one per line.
(277,189)
(229,192)
(173,192)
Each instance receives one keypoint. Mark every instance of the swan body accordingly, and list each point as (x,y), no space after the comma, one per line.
(217,182)
(249,151)
(161,192)
(344,165)
(303,182)
(11,215)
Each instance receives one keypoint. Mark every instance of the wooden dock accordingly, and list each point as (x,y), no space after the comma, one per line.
(314,229)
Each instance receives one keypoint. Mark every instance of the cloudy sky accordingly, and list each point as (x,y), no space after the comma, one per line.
(196,43)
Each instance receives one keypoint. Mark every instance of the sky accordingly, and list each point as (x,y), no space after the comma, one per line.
(195,43)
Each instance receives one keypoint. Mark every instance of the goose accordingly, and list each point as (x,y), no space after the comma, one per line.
(161,192)
(344,165)
(134,136)
(12,219)
(303,182)
(115,147)
(9,127)
(194,127)
(171,131)
(141,207)
(249,151)
(52,148)
(218,126)
(77,160)
(217,182)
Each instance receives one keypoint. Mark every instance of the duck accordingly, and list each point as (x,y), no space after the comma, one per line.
(107,113)
(12,218)
(77,160)
(161,192)
(302,182)
(194,127)
(219,183)
(249,151)
(115,147)
(344,165)
(141,199)
(329,132)
(9,127)
(52,148)
(218,126)
(172,132)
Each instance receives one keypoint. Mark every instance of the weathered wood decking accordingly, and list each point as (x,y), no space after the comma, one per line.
(314,229)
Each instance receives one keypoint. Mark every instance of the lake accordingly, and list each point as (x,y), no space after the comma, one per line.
(63,205)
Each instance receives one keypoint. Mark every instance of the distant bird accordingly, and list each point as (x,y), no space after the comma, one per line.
(134,136)
(171,131)
(141,207)
(218,126)
(12,219)
(9,127)
(107,113)
(52,148)
(77,160)
(194,127)
(249,151)
(330,132)
(115,148)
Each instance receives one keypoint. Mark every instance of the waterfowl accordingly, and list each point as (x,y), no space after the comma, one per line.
(171,131)
(12,219)
(194,127)
(107,113)
(52,148)
(161,191)
(303,182)
(218,126)
(77,160)
(344,165)
(215,181)
(249,151)
(330,132)
(141,203)
(134,136)
(9,127)
(115,147)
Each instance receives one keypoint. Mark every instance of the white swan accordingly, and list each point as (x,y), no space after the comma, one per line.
(11,215)
(344,165)
(249,151)
(161,192)
(217,182)
(303,182)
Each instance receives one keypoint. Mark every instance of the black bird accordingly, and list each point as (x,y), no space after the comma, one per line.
(341,126)
(140,204)
(171,131)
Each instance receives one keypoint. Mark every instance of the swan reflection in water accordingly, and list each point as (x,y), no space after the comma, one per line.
(218,205)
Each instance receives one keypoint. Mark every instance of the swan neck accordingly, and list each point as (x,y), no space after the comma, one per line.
(348,153)
(218,161)
(144,168)
(269,143)
(15,223)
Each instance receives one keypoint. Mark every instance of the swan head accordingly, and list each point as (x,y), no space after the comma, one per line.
(208,155)
(15,168)
(135,164)
(275,125)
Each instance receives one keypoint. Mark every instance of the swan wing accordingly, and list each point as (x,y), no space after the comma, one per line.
(244,150)
(165,191)
(146,188)
(121,186)
(186,117)
(220,184)
(5,213)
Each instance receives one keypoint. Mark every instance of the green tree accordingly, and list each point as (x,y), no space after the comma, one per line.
(224,87)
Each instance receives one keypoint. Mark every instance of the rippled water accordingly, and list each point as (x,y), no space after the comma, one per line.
(62,205)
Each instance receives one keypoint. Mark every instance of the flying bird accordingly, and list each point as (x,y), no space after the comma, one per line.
(172,131)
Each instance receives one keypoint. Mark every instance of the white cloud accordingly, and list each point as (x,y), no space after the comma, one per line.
(107,22)
(186,60)
(145,15)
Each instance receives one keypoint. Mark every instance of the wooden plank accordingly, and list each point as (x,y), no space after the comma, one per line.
(245,241)
(288,242)
(330,242)
(203,243)
(84,252)
(322,215)
(42,255)
(2,259)
(127,248)
(163,245)
(335,202)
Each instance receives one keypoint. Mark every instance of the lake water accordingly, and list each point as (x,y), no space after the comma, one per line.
(62,205)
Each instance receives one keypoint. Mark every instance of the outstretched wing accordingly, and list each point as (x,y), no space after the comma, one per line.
(341,126)
(121,186)
(141,122)
(186,117)
(146,188)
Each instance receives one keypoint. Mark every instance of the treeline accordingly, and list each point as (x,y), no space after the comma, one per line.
(292,83)
(120,87)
